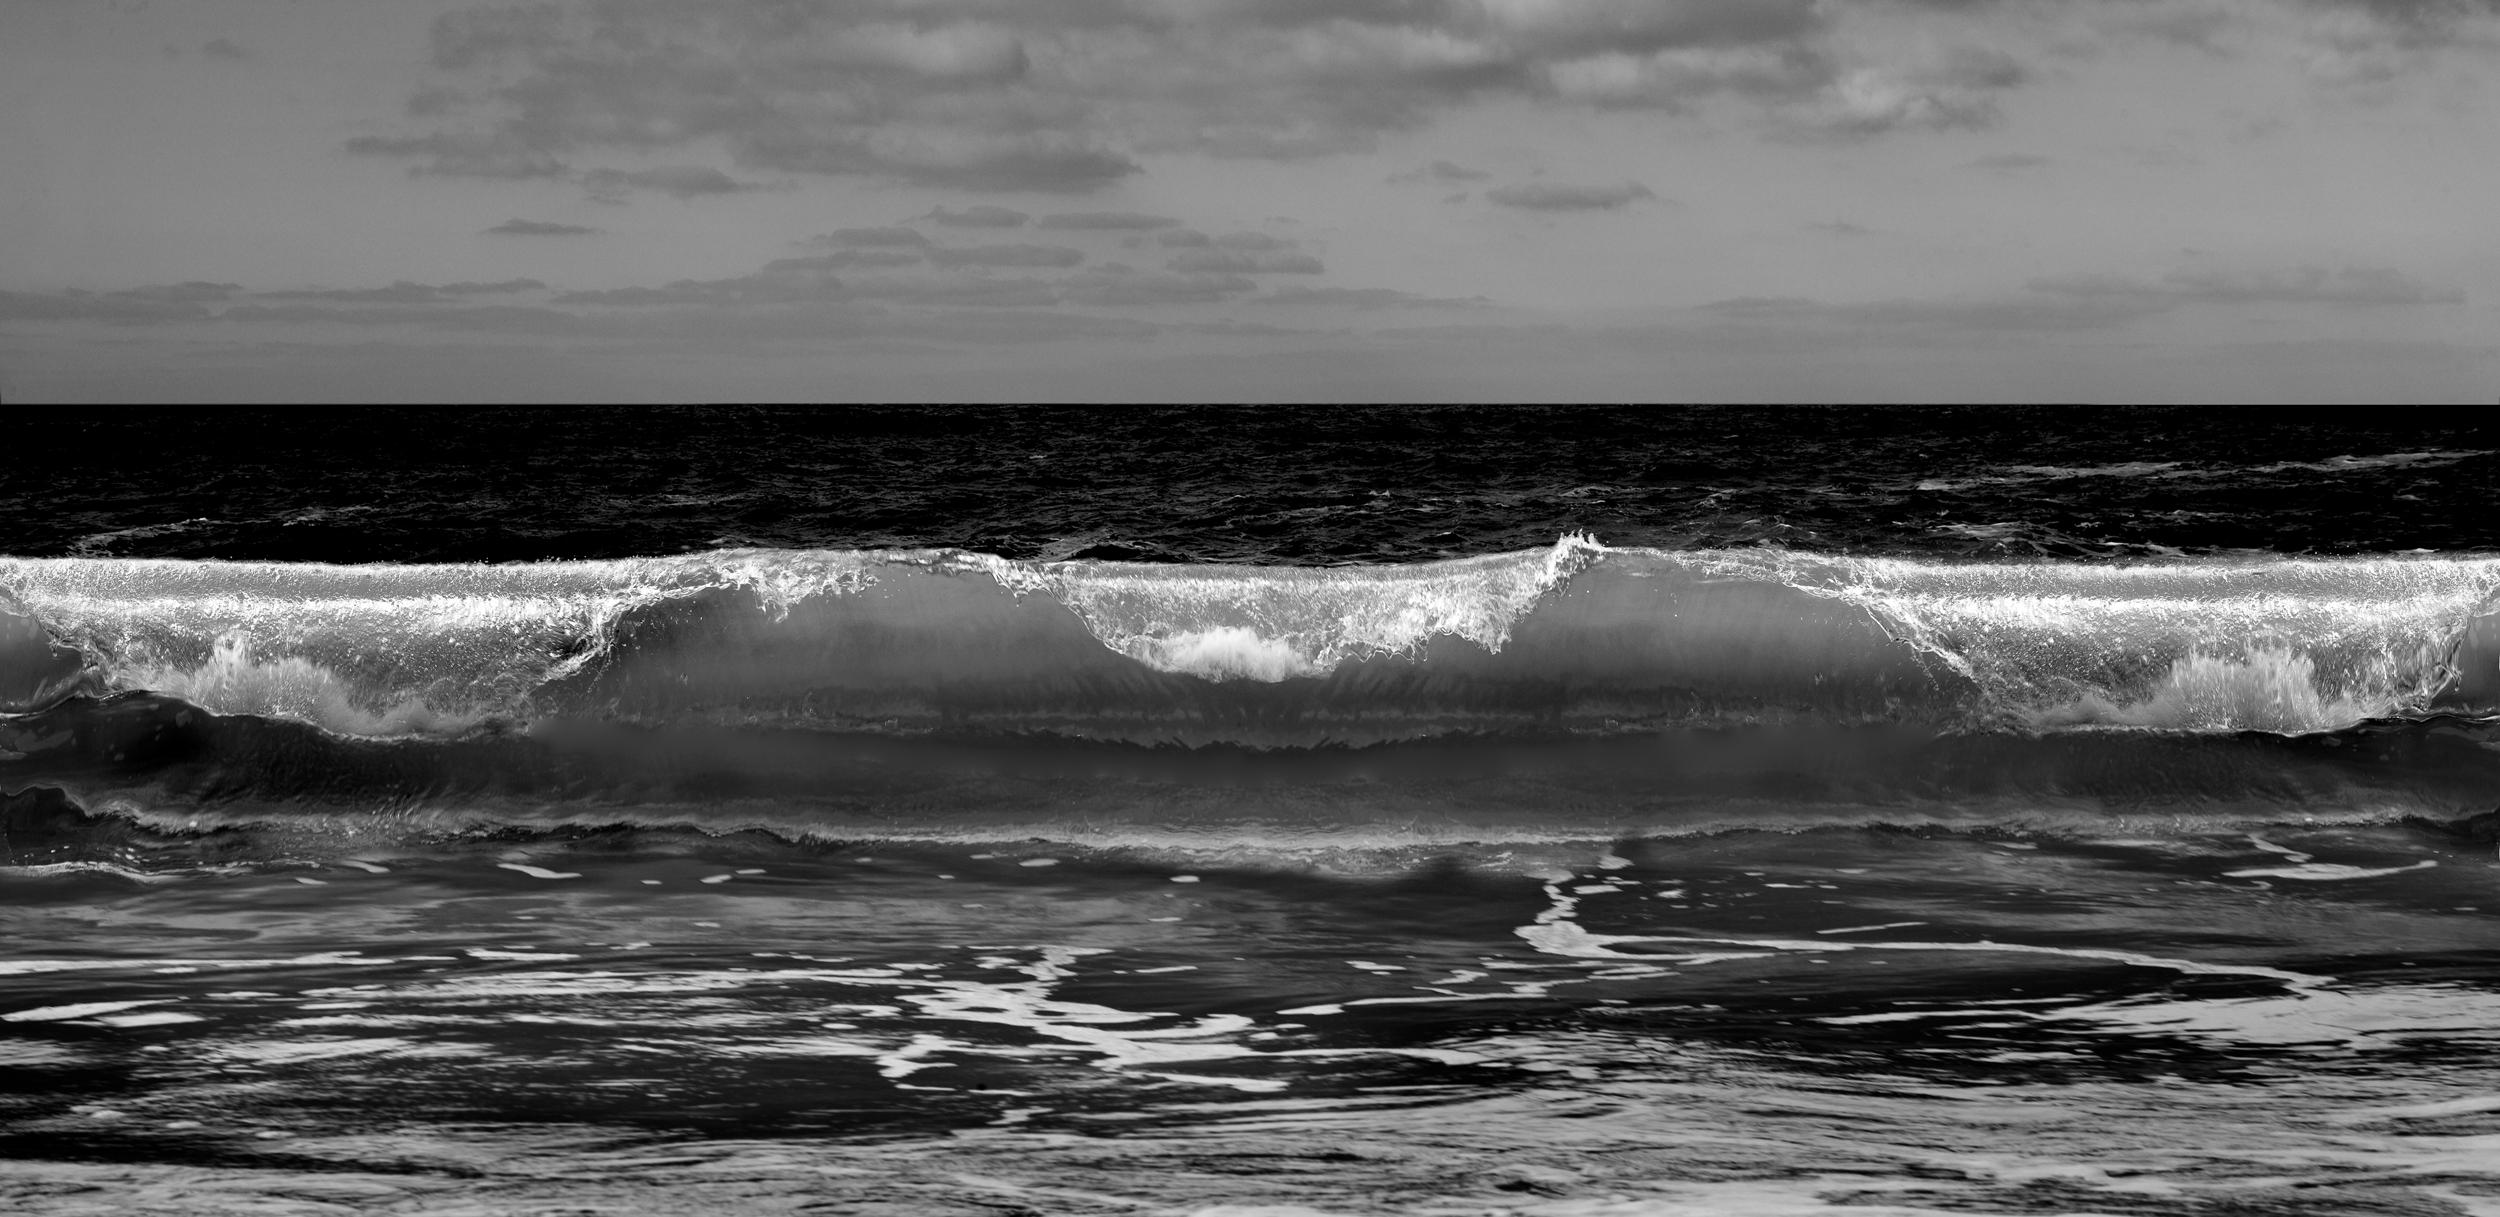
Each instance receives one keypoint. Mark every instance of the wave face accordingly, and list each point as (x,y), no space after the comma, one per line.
(1575,638)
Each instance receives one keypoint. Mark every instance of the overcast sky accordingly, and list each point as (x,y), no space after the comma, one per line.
(1250,199)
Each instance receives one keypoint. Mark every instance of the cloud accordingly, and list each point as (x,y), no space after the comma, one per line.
(1975,315)
(501,155)
(678,181)
(1955,92)
(1243,262)
(1008,255)
(1564,196)
(1191,238)
(1132,289)
(1107,221)
(2359,48)
(981,215)
(191,292)
(2006,162)
(405,292)
(224,48)
(870,259)
(2369,46)
(1365,298)
(1064,95)
(2349,286)
(503,319)
(499,287)
(540,228)
(868,238)
(402,292)
(925,157)
(975,291)
(87,306)
(2092,301)
(1441,173)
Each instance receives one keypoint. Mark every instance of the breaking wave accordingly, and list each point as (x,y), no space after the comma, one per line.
(1576,638)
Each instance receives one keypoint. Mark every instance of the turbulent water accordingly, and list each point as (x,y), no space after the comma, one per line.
(1583,812)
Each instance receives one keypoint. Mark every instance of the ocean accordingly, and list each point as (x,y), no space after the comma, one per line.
(1250,811)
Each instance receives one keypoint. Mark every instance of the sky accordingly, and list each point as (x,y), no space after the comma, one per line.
(1250,200)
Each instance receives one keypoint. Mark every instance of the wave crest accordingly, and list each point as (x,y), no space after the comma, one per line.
(1576,638)
(2270,689)
(233,681)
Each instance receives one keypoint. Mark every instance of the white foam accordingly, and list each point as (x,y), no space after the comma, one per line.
(53,1014)
(2269,689)
(148,1018)
(1271,624)
(382,649)
(1230,652)
(234,680)
(2278,644)
(2326,872)
(2473,1105)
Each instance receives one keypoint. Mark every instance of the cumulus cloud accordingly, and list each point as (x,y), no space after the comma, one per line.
(1062,95)
(1957,91)
(1567,196)
(2363,48)
(540,228)
(2371,45)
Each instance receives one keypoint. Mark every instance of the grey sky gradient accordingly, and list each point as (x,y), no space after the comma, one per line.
(1250,199)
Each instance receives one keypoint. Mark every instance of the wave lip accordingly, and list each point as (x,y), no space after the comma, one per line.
(368,650)
(2285,645)
(1274,623)
(1575,638)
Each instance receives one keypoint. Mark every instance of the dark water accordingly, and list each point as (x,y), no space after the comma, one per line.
(1564,812)
(1236,484)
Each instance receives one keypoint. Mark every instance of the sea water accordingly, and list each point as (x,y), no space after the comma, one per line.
(1367,812)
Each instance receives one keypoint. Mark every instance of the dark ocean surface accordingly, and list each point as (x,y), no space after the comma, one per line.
(1240,811)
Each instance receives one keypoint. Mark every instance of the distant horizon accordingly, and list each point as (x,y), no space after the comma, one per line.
(1249,201)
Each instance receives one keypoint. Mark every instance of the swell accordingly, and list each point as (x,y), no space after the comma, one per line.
(1578,638)
(142,762)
